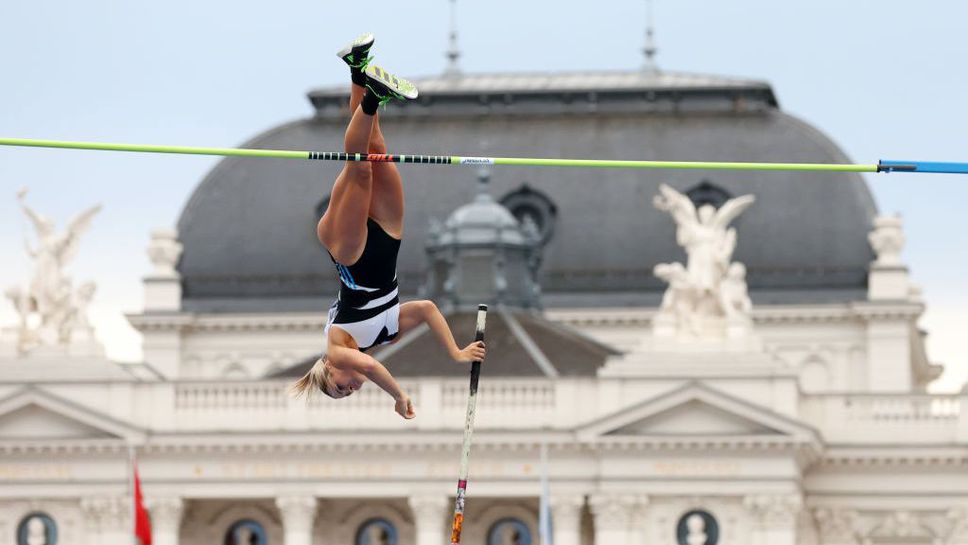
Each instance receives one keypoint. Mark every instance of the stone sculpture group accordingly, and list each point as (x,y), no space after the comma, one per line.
(708,296)
(51,308)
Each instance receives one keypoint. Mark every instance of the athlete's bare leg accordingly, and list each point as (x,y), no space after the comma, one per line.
(342,229)
(386,198)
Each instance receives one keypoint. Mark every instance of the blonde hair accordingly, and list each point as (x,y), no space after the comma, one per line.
(317,378)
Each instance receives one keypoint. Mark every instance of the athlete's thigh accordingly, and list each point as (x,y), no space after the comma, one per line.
(410,316)
(386,199)
(342,229)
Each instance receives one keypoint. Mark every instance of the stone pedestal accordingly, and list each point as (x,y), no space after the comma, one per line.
(163,285)
(662,357)
(888,279)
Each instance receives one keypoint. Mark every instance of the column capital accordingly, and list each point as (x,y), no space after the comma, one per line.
(837,524)
(166,517)
(774,509)
(640,505)
(298,514)
(106,512)
(428,505)
(296,509)
(566,506)
(165,510)
(613,511)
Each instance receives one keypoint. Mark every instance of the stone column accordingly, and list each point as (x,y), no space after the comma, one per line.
(774,518)
(613,517)
(166,518)
(108,520)
(298,515)
(430,518)
(566,519)
(638,532)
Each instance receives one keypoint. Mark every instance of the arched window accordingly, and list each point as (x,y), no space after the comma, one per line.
(376,531)
(509,531)
(529,205)
(246,532)
(37,529)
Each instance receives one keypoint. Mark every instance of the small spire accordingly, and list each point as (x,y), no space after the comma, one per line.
(650,49)
(483,185)
(453,53)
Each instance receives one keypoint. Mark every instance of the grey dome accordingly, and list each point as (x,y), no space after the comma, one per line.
(481,221)
(249,229)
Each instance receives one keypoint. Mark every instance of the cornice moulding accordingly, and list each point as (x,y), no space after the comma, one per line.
(190,322)
(762,314)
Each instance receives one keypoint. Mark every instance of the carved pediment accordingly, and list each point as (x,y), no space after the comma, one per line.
(36,422)
(696,410)
(32,414)
(694,418)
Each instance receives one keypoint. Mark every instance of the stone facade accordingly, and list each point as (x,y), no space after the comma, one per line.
(817,433)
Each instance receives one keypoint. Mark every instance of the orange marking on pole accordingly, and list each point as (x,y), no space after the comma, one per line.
(458,524)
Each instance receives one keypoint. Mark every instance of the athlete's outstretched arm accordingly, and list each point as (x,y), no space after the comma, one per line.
(348,358)
(415,313)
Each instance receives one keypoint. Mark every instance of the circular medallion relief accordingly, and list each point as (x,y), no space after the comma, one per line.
(697,527)
(37,529)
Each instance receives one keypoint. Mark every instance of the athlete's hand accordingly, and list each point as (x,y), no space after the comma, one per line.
(405,408)
(473,352)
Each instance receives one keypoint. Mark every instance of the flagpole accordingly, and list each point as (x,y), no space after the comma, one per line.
(544,509)
(132,507)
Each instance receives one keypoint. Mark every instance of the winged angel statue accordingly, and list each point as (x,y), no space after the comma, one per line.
(51,308)
(709,286)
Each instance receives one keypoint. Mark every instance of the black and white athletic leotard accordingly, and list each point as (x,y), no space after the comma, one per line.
(368,306)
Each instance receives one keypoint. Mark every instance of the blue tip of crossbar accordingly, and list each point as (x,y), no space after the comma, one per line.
(921,166)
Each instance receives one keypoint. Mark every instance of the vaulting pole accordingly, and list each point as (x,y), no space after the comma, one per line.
(468,432)
(882,166)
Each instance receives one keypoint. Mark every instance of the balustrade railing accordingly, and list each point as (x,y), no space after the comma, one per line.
(886,417)
(528,403)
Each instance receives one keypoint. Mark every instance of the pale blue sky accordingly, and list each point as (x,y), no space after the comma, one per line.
(883,78)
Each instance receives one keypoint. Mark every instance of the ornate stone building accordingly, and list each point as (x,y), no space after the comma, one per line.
(808,425)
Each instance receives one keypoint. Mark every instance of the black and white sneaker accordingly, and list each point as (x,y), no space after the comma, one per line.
(357,53)
(386,86)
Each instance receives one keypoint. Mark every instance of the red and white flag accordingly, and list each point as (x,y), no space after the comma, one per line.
(142,525)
